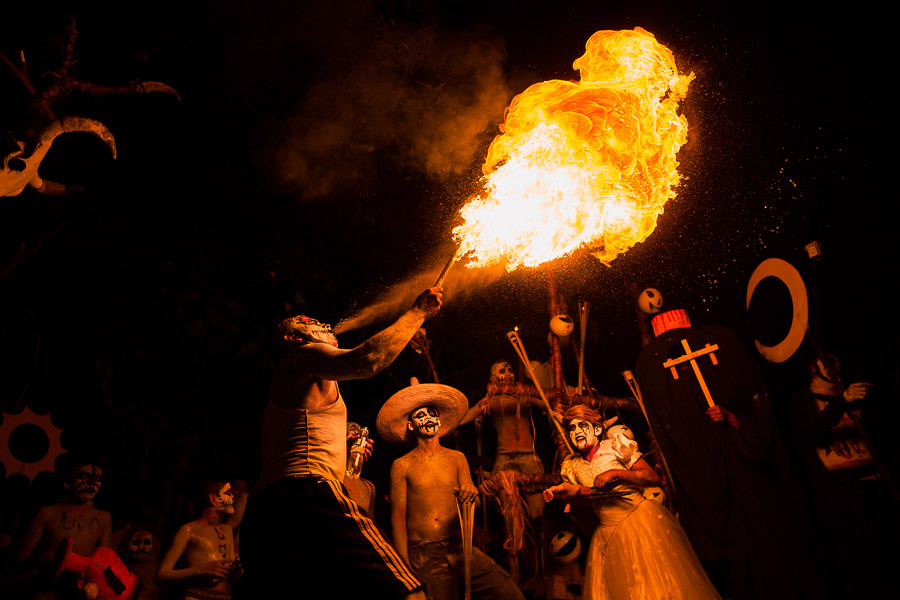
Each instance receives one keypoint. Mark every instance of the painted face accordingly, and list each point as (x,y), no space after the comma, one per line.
(827,372)
(353,430)
(310,330)
(140,546)
(425,421)
(582,434)
(502,372)
(225,499)
(84,483)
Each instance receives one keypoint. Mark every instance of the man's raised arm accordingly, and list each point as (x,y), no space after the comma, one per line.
(327,362)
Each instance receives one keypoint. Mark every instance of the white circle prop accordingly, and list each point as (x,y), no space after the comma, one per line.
(785,271)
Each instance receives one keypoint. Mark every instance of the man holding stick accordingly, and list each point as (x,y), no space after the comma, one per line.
(431,497)
(301,530)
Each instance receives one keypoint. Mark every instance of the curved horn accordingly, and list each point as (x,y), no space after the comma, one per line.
(70,125)
(73,124)
(157,86)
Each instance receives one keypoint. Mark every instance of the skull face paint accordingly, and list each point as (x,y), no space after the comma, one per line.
(425,421)
(140,546)
(583,434)
(307,329)
(84,483)
(502,372)
(224,500)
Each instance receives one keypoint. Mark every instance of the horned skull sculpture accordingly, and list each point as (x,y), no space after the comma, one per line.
(20,168)
(21,164)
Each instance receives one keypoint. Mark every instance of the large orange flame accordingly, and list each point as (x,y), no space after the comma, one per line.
(587,164)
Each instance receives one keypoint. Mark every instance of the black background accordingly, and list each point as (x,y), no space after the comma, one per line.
(299,173)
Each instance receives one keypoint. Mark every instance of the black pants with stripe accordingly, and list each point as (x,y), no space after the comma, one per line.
(304,535)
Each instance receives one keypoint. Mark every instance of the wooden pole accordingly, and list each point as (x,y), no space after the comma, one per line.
(523,356)
(583,310)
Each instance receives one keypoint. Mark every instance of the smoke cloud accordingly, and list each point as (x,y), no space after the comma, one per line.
(460,282)
(426,97)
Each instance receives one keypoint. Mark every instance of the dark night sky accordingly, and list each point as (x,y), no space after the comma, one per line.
(316,161)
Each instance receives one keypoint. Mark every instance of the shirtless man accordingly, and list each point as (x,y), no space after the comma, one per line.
(205,547)
(427,484)
(301,530)
(73,516)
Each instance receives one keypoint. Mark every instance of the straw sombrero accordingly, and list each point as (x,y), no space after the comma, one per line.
(393,417)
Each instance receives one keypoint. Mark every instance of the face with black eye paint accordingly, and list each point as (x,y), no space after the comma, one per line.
(140,546)
(425,421)
(583,434)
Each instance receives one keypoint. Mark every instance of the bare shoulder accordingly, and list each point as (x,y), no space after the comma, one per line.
(47,512)
(402,464)
(455,455)
(295,383)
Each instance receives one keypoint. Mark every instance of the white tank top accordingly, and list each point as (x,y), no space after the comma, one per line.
(301,441)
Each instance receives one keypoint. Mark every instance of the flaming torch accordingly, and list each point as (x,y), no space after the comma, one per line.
(586,164)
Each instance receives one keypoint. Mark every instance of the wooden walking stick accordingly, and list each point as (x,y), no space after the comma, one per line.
(466,511)
(636,390)
(516,341)
(583,310)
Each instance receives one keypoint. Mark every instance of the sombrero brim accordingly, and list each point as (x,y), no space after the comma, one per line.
(393,417)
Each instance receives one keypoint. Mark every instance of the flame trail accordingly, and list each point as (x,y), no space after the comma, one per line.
(587,164)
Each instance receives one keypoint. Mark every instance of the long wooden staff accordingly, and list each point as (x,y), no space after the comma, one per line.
(583,309)
(636,390)
(466,511)
(516,341)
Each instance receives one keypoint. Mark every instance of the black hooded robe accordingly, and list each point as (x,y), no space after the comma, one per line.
(733,488)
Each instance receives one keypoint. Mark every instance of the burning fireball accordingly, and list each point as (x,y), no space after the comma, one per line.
(587,164)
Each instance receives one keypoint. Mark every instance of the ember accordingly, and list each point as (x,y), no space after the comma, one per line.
(587,164)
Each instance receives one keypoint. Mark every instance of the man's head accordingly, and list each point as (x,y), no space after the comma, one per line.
(82,482)
(219,495)
(305,330)
(425,421)
(502,372)
(826,367)
(140,546)
(404,418)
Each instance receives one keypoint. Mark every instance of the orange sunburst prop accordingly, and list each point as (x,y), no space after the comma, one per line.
(587,164)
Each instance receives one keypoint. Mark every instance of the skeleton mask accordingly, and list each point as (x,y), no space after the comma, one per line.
(84,483)
(502,372)
(827,372)
(20,168)
(583,434)
(425,421)
(140,546)
(650,301)
(307,329)
(224,499)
